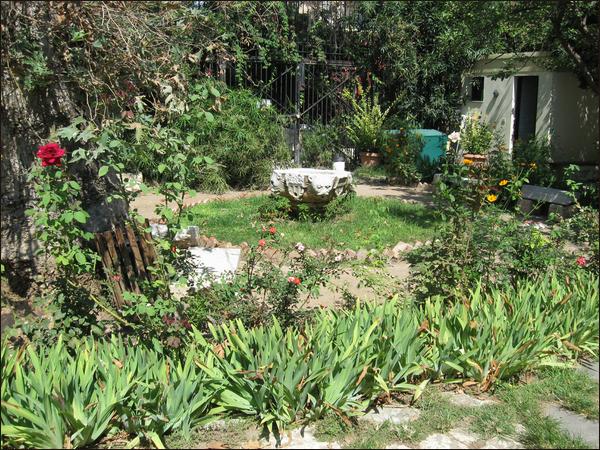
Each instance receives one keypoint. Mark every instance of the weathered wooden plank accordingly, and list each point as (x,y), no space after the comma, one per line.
(109,268)
(112,251)
(124,253)
(545,194)
(148,244)
(137,256)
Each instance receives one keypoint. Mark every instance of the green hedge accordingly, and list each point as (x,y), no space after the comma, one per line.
(341,361)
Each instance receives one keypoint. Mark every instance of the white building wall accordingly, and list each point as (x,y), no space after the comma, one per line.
(575,121)
(494,110)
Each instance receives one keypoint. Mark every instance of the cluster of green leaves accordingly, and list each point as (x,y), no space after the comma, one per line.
(281,208)
(477,136)
(54,398)
(534,156)
(320,144)
(227,126)
(401,154)
(340,362)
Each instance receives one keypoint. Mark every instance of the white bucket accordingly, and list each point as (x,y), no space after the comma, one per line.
(339,166)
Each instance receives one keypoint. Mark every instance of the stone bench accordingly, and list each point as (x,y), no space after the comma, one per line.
(560,202)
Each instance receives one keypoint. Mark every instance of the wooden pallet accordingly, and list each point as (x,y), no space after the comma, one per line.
(126,254)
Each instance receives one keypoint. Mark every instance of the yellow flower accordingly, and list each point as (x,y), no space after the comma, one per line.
(491,198)
(533,165)
(467,161)
(503,182)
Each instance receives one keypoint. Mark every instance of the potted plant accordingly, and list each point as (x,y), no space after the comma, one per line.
(365,127)
(476,140)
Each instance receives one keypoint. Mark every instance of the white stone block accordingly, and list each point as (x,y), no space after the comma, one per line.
(213,264)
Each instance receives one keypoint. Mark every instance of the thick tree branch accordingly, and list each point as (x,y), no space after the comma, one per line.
(584,70)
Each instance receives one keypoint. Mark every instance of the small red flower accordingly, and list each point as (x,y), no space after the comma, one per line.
(167,320)
(262,243)
(174,249)
(272,230)
(581,261)
(116,277)
(294,280)
(50,154)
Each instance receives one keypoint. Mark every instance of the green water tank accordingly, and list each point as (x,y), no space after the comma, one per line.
(434,142)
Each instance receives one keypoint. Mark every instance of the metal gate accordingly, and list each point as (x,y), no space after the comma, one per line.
(306,93)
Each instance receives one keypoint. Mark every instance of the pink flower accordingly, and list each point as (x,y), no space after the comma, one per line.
(262,243)
(294,280)
(291,279)
(581,261)
(272,230)
(299,247)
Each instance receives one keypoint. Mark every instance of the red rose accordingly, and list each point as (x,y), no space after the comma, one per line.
(50,154)
(272,230)
(262,243)
(581,261)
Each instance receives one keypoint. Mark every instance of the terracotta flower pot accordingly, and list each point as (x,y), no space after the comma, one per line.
(370,159)
(475,160)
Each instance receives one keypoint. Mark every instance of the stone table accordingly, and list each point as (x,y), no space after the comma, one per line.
(312,186)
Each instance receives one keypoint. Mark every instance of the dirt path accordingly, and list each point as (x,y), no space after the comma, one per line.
(368,283)
(145,203)
(420,194)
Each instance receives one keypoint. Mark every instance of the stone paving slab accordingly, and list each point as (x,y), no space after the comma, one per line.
(462,399)
(590,368)
(575,424)
(397,416)
(301,438)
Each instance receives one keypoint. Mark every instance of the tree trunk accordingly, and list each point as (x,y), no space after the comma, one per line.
(26,121)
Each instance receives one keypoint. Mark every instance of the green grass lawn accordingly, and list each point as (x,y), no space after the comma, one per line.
(369,174)
(370,223)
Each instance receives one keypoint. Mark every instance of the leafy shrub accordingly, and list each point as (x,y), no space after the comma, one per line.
(497,251)
(263,288)
(244,138)
(281,208)
(227,125)
(365,124)
(319,145)
(402,153)
(535,154)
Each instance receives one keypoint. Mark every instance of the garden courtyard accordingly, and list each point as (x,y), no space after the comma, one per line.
(300,224)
